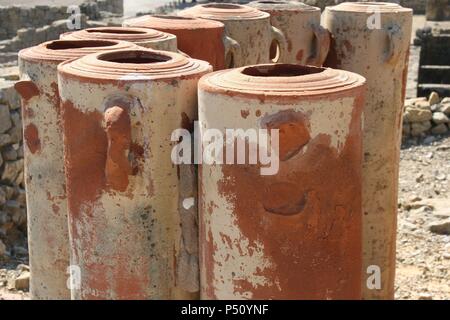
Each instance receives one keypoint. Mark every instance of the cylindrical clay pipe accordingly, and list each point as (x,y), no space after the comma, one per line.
(248,26)
(48,239)
(130,234)
(307,42)
(294,233)
(199,38)
(373,40)
(147,38)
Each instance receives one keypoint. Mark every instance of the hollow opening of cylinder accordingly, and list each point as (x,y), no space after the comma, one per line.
(171,17)
(281,70)
(272,2)
(134,57)
(222,6)
(78,44)
(374,4)
(115,31)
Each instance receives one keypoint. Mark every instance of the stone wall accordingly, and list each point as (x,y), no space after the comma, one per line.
(27,37)
(13,219)
(13,18)
(114,6)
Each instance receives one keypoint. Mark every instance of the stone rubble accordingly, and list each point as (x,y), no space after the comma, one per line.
(423,117)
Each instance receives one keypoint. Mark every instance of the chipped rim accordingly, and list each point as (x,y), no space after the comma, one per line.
(281,80)
(61,50)
(112,66)
(283,5)
(173,22)
(224,11)
(365,7)
(130,34)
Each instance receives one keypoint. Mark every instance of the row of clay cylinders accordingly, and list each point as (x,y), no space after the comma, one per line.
(132,219)
(132,213)
(233,35)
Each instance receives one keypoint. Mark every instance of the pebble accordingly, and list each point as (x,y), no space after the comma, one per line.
(440,117)
(439,129)
(22,282)
(434,98)
(441,227)
(417,114)
(429,139)
(425,296)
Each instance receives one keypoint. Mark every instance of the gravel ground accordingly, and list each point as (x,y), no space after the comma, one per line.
(423,257)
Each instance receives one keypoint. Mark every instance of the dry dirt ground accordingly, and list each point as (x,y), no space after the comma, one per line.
(423,257)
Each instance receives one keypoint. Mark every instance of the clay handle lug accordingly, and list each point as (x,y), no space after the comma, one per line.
(323,41)
(279,36)
(394,37)
(27,89)
(232,47)
(118,132)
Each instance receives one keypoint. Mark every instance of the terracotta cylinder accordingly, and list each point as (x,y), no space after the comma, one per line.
(48,238)
(130,236)
(147,38)
(248,26)
(373,40)
(294,233)
(308,43)
(199,38)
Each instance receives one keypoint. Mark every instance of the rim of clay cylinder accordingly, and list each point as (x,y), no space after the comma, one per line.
(224,11)
(283,5)
(132,65)
(173,22)
(369,7)
(120,33)
(281,80)
(62,50)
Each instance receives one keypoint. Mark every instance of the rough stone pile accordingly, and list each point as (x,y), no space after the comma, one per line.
(31,36)
(426,116)
(13,219)
(22,27)
(17,279)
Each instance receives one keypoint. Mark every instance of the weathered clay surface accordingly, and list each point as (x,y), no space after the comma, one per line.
(48,237)
(248,26)
(295,234)
(379,53)
(128,235)
(307,42)
(147,38)
(199,38)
